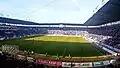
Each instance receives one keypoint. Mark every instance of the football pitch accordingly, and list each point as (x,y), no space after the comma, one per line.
(53,45)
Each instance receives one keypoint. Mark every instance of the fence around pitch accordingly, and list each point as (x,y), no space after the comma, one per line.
(68,59)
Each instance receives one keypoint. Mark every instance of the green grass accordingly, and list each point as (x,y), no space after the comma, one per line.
(53,45)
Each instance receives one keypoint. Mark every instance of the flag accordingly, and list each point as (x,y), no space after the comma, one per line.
(57,57)
(7,15)
(46,54)
(1,14)
(96,7)
(65,50)
(70,56)
(93,11)
(102,1)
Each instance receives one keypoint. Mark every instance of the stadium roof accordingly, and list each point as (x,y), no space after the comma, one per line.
(16,21)
(110,12)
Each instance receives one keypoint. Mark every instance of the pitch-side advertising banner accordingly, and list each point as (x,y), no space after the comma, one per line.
(49,62)
(106,62)
(89,64)
(66,64)
(76,65)
(96,64)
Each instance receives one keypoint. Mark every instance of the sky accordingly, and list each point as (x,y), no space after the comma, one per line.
(50,11)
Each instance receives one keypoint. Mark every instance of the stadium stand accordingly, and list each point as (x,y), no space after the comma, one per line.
(112,31)
(101,34)
(109,35)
